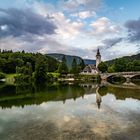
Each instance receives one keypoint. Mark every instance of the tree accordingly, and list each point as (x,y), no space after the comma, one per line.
(74,69)
(63,69)
(52,63)
(2,75)
(130,66)
(120,65)
(81,65)
(40,74)
(28,69)
(111,69)
(102,67)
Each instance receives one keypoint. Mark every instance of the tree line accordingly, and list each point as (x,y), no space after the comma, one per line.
(34,66)
(124,64)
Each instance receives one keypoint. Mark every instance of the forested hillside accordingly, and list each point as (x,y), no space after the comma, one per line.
(69,58)
(10,61)
(126,63)
(125,58)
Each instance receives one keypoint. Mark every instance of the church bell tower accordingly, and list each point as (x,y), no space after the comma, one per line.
(98,58)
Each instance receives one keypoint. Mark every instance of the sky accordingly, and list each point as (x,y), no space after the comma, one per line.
(74,27)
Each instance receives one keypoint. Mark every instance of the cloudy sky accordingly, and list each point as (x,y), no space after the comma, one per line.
(75,27)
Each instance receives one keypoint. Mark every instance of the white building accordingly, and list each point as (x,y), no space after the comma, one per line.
(93,69)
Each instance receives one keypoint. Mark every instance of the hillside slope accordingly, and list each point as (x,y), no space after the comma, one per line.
(126,58)
(69,58)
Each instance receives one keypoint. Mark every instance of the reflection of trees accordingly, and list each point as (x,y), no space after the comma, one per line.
(103,90)
(21,96)
(123,93)
(119,92)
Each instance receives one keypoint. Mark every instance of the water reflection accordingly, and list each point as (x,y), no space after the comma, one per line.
(69,112)
(98,98)
(11,95)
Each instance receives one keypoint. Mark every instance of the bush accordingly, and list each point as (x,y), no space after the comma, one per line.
(23,79)
(2,75)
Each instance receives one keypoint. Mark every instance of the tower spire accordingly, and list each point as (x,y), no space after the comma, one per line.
(98,51)
(98,58)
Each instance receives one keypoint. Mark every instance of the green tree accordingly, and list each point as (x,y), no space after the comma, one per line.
(63,68)
(136,64)
(81,65)
(28,69)
(130,66)
(74,69)
(110,69)
(102,67)
(40,75)
(2,75)
(120,65)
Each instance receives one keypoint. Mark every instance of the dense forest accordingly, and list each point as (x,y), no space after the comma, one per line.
(123,64)
(10,61)
(35,66)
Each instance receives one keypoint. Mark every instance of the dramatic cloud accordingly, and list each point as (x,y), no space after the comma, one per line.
(111,42)
(133,27)
(66,27)
(21,22)
(103,26)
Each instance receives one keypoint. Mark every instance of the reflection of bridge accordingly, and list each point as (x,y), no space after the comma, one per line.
(125,85)
(127,75)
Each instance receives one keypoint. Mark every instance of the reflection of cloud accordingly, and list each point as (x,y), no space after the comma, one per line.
(67,118)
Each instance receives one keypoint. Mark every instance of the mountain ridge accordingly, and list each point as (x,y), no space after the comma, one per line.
(69,58)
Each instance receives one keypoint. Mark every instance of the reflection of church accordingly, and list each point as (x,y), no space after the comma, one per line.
(91,68)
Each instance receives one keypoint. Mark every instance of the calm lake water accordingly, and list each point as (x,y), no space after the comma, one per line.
(70,112)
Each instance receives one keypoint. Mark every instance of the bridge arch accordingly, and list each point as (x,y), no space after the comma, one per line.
(115,78)
(126,75)
(137,75)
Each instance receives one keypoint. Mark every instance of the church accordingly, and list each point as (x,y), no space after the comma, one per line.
(93,69)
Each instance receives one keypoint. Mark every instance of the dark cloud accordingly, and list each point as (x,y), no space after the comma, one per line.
(133,27)
(21,22)
(111,42)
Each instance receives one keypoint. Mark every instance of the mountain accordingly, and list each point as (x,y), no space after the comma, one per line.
(125,58)
(89,61)
(69,58)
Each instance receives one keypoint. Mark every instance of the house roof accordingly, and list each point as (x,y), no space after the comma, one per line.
(89,68)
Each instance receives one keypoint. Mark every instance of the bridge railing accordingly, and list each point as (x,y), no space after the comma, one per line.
(122,73)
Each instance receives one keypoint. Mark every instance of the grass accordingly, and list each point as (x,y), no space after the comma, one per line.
(12,75)
(10,78)
(55,75)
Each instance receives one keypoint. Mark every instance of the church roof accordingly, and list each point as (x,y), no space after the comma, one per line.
(89,68)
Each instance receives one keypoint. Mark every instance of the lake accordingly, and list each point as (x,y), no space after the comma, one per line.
(70,112)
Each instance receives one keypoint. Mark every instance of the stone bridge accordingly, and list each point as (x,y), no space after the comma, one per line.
(127,75)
